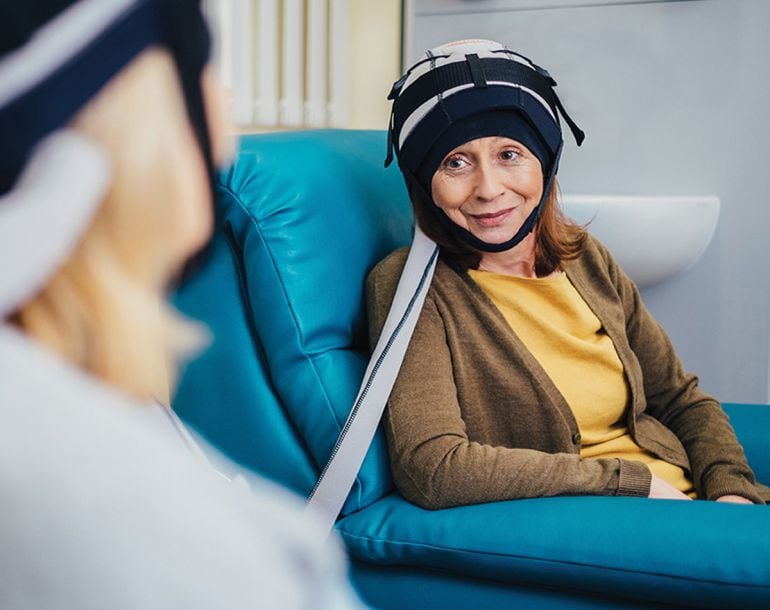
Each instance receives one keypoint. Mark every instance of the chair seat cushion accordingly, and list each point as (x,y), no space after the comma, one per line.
(697,553)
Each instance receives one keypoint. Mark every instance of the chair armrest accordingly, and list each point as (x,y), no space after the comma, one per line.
(752,425)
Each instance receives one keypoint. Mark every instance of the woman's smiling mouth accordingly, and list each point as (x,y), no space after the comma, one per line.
(492,219)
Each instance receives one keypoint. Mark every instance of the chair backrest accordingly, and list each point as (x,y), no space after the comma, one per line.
(301,219)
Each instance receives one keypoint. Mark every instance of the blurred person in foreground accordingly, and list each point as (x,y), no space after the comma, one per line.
(534,369)
(112,126)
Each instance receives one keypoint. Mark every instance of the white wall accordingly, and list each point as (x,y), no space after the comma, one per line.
(374,61)
(674,99)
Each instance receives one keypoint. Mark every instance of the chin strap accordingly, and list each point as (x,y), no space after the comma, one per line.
(469,239)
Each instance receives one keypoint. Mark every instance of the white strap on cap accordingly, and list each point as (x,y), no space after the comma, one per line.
(44,215)
(337,477)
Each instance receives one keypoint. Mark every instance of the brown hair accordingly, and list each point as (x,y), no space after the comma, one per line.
(557,238)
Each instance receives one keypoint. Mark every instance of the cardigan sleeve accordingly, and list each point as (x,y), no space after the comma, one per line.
(717,462)
(435,464)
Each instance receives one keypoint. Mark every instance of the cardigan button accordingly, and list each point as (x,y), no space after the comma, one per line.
(576,438)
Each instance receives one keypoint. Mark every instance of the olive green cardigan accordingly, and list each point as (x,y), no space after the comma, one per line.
(474,418)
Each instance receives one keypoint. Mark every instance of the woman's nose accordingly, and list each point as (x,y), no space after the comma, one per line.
(488,182)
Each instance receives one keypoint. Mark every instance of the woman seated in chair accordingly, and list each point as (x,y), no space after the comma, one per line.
(534,369)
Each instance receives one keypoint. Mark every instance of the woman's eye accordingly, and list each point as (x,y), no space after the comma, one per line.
(454,163)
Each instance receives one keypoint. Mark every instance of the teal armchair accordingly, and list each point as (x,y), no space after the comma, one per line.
(301,219)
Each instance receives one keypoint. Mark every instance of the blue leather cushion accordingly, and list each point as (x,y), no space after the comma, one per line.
(308,214)
(226,393)
(703,554)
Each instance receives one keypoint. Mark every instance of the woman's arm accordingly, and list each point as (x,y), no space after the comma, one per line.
(436,465)
(717,460)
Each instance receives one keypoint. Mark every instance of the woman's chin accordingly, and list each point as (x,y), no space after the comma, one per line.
(496,235)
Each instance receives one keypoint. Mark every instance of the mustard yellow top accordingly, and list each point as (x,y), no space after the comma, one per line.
(567,339)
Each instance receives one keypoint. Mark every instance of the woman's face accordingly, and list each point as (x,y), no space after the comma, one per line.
(216,120)
(489,186)
(194,218)
(160,192)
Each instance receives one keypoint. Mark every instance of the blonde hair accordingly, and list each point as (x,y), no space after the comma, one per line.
(104,308)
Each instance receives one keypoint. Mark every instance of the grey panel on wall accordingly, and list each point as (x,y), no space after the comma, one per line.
(436,7)
(672,96)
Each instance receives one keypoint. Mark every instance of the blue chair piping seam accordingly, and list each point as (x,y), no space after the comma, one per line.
(529,586)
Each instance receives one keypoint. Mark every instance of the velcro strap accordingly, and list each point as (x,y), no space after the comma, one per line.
(477,70)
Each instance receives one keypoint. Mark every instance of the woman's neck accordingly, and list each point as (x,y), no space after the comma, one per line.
(518,261)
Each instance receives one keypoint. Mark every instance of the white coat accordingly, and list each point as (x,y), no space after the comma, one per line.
(103,506)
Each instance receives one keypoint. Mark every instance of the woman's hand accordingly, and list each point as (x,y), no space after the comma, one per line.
(734,499)
(660,489)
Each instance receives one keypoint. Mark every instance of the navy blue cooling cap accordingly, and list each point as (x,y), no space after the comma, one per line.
(467,90)
(55,55)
